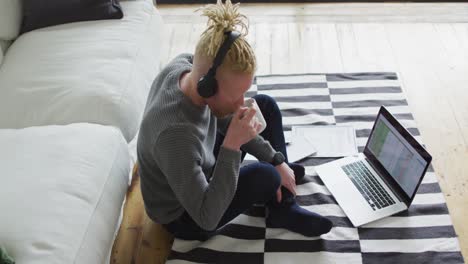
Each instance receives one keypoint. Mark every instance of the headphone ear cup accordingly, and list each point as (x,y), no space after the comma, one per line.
(207,86)
(214,86)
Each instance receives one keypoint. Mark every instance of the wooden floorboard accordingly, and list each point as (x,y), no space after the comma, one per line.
(426,44)
(333,12)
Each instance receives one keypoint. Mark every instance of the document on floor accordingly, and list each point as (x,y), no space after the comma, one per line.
(329,141)
(298,148)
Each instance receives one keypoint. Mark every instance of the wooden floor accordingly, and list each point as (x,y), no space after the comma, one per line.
(426,44)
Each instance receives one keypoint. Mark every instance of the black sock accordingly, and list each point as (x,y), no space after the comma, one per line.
(289,215)
(299,171)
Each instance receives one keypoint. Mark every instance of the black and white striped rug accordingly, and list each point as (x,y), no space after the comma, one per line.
(423,234)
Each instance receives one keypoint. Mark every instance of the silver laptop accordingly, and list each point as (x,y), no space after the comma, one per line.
(384,179)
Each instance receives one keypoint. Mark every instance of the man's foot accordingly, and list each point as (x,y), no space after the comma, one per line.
(297,219)
(299,171)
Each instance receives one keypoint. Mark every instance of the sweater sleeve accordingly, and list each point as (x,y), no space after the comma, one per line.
(178,153)
(258,146)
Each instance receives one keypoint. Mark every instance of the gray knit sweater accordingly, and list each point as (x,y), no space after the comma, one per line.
(177,166)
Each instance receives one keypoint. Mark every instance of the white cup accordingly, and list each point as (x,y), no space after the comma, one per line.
(258,114)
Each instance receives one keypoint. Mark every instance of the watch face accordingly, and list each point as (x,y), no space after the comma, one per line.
(278,158)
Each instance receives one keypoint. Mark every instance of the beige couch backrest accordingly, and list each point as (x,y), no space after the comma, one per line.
(10,19)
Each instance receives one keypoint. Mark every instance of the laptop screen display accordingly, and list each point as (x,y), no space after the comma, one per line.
(397,156)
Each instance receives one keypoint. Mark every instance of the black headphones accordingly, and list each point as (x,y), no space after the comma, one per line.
(208,85)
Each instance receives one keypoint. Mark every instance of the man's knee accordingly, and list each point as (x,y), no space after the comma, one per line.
(263,99)
(267,177)
(267,104)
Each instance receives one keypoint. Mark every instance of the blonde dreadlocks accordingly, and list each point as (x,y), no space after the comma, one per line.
(223,18)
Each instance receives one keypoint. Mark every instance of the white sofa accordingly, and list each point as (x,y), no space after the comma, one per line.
(62,191)
(71,101)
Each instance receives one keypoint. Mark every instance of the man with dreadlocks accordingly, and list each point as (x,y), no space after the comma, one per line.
(190,145)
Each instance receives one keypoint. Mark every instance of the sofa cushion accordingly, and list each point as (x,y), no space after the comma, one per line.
(39,14)
(1,56)
(62,192)
(4,44)
(10,19)
(92,72)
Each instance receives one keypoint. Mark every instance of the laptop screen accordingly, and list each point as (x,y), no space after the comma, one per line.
(401,160)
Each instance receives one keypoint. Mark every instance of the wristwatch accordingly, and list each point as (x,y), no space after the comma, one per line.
(278,158)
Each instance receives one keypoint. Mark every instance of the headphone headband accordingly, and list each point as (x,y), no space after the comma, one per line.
(231,36)
(207,85)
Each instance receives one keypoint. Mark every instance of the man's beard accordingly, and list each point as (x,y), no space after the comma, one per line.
(219,114)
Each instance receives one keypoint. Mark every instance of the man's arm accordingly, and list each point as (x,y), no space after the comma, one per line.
(258,146)
(177,153)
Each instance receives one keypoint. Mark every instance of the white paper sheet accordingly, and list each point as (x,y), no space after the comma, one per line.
(329,141)
(299,148)
(288,136)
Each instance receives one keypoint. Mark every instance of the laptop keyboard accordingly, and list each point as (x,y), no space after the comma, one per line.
(375,195)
